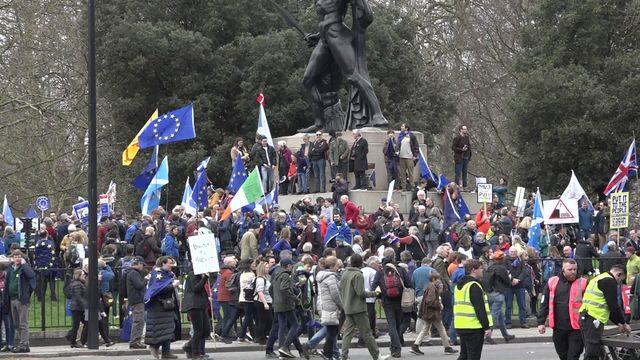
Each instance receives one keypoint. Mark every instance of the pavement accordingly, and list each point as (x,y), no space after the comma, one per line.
(503,352)
(121,350)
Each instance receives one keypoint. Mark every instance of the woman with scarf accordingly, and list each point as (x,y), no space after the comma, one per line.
(161,305)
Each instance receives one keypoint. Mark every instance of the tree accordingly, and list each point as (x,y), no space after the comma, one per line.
(576,96)
(219,54)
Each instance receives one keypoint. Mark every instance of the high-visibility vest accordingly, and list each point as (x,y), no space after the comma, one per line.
(594,302)
(575,301)
(464,314)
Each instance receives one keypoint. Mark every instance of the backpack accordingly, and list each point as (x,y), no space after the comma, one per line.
(250,290)
(392,283)
(142,248)
(131,231)
(233,285)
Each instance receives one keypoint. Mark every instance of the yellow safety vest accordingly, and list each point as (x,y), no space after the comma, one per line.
(464,315)
(594,302)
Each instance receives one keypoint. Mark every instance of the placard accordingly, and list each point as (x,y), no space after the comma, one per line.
(619,210)
(204,254)
(481,180)
(485,193)
(81,211)
(560,211)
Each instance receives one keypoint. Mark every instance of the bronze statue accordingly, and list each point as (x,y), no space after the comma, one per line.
(339,52)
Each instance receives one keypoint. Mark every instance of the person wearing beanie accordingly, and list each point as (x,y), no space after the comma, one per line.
(497,283)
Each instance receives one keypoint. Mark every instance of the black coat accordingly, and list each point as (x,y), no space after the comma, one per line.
(259,156)
(195,295)
(78,291)
(161,324)
(136,286)
(584,252)
(358,156)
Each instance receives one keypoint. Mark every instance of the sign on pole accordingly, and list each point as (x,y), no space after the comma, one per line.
(204,254)
(81,211)
(43,203)
(560,211)
(520,201)
(619,210)
(484,192)
(390,191)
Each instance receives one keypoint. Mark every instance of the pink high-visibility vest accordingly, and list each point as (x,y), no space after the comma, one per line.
(575,301)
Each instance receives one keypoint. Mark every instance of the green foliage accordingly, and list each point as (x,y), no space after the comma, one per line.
(219,54)
(576,100)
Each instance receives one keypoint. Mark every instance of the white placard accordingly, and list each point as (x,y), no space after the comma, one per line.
(619,210)
(390,191)
(484,192)
(204,254)
(481,180)
(560,211)
(519,195)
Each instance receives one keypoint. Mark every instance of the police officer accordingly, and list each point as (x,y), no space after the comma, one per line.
(471,312)
(600,304)
(561,301)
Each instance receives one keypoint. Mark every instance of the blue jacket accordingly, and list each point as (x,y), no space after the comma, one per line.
(8,241)
(585,218)
(421,278)
(170,246)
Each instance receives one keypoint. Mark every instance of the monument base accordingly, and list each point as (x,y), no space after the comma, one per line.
(375,138)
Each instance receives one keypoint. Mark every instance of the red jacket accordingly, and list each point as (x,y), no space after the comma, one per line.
(483,226)
(223,292)
(351,211)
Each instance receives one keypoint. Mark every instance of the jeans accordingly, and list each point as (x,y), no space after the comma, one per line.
(230,317)
(266,173)
(303,181)
(8,329)
(447,311)
(249,311)
(288,328)
(331,342)
(319,336)
(461,172)
(320,174)
(77,317)
(520,299)
(453,334)
(394,319)
(496,300)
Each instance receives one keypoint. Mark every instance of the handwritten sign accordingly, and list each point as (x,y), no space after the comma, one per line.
(204,254)
(619,210)
(485,193)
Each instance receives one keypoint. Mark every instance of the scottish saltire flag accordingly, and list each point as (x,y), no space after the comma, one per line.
(31,213)
(143,180)
(187,201)
(200,196)
(8,214)
(628,167)
(535,232)
(269,199)
(203,165)
(574,191)
(263,125)
(238,175)
(151,197)
(425,170)
(173,126)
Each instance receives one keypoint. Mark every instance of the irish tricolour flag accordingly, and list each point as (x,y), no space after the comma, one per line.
(250,192)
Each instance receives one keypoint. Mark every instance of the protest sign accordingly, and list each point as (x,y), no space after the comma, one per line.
(204,254)
(81,211)
(484,192)
(619,210)
(560,211)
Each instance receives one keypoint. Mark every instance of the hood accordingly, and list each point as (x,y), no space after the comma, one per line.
(324,275)
(465,279)
(274,270)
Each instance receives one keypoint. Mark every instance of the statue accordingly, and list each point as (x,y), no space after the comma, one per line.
(339,52)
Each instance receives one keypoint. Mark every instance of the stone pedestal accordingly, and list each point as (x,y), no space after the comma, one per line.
(375,138)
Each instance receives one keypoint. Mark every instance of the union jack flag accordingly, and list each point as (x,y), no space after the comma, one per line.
(627,168)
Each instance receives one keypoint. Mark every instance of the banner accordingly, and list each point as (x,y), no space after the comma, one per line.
(619,210)
(204,254)
(520,201)
(105,211)
(390,191)
(484,192)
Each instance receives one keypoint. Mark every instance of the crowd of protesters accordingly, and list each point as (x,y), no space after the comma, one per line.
(314,270)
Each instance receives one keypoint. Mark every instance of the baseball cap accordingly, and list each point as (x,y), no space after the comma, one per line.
(286,261)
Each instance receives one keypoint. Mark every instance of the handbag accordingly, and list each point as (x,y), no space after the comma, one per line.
(408,298)
(107,299)
(168,304)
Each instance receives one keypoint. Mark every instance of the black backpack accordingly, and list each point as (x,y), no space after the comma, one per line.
(250,290)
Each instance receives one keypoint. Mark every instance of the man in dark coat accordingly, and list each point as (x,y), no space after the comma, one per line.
(266,158)
(461,147)
(584,254)
(284,306)
(20,283)
(136,286)
(195,303)
(358,160)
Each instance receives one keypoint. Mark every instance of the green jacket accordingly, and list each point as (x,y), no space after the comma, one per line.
(352,291)
(284,293)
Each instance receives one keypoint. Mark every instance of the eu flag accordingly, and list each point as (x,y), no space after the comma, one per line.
(425,170)
(454,209)
(143,180)
(238,175)
(174,126)
(199,194)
